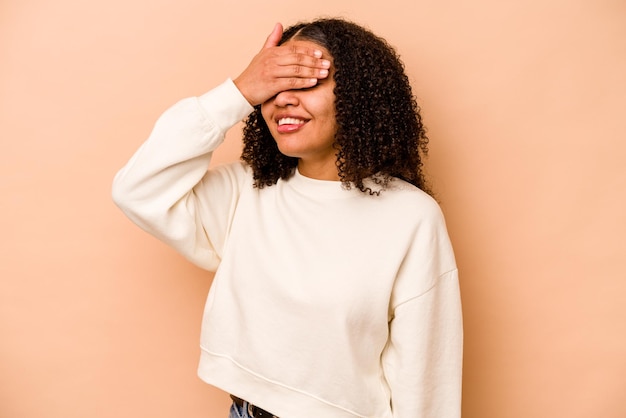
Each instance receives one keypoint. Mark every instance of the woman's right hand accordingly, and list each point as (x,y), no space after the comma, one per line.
(279,68)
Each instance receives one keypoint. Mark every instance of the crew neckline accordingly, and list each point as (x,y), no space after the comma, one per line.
(330,189)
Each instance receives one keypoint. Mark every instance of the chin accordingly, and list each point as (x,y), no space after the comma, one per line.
(288,151)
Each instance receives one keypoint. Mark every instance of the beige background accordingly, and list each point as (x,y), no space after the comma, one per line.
(525,104)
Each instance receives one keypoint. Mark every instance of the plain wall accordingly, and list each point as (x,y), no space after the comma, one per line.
(525,105)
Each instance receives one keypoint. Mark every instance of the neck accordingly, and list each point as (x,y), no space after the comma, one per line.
(326,170)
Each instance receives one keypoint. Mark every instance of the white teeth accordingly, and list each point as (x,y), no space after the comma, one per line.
(290,121)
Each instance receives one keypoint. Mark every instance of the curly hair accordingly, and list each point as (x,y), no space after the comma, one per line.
(380,134)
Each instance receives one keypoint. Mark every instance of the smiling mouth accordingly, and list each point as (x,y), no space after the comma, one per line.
(290,121)
(289,125)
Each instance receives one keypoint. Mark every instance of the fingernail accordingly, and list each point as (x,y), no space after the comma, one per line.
(323,73)
(326,63)
(317,53)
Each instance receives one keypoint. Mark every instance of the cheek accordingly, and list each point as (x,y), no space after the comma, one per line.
(324,108)
(330,108)
(265,112)
(331,116)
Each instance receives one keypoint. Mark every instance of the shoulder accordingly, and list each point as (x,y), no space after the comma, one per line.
(413,201)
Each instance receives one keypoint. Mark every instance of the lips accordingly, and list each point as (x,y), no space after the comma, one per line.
(289,124)
(290,121)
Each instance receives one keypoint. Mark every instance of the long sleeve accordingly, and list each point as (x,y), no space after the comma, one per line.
(165,187)
(423,359)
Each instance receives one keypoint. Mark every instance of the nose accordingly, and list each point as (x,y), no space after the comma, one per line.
(286,98)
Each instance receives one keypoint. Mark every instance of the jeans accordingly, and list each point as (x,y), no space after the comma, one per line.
(239,412)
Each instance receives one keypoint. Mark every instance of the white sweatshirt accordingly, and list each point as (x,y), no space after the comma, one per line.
(326,303)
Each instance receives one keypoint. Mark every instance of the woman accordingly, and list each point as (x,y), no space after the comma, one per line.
(336,290)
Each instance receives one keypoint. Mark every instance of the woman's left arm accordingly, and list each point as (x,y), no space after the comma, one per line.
(423,358)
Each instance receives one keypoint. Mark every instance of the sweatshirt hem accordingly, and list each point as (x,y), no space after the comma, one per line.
(283,401)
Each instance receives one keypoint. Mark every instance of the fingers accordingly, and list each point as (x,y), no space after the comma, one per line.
(299,51)
(299,61)
(293,83)
(302,60)
(300,71)
(302,50)
(278,68)
(299,64)
(274,38)
(292,69)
